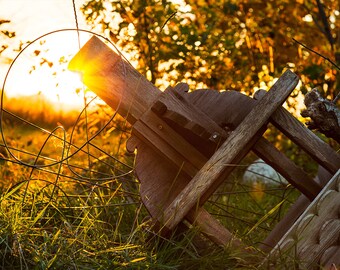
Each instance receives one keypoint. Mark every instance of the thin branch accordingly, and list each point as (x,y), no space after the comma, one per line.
(314,19)
(325,23)
(168,19)
(326,58)
(335,100)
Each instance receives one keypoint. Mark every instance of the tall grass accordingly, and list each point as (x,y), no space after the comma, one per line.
(38,110)
(70,203)
(53,226)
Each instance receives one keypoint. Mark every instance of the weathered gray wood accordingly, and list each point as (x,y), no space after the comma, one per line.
(238,141)
(224,109)
(158,192)
(124,89)
(188,120)
(227,109)
(213,229)
(133,96)
(295,175)
(155,132)
(306,139)
(114,80)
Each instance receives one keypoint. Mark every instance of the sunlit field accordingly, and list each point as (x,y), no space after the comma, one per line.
(69,196)
(70,199)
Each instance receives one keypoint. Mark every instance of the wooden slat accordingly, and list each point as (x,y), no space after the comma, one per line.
(226,108)
(212,228)
(295,175)
(238,141)
(156,133)
(122,87)
(188,120)
(305,138)
(231,115)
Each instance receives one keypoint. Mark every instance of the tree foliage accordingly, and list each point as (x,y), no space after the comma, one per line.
(224,44)
(4,33)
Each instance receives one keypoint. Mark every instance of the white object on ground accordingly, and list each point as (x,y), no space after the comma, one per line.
(261,172)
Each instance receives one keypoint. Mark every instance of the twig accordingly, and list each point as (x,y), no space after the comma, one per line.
(335,100)
(168,19)
(325,23)
(324,57)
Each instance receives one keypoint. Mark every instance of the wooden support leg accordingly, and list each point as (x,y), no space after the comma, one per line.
(303,137)
(212,228)
(296,176)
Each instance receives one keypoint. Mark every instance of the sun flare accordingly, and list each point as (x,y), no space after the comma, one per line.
(41,69)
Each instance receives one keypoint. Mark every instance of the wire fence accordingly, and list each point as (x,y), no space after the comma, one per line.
(81,159)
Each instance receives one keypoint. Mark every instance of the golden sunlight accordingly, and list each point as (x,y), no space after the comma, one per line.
(41,69)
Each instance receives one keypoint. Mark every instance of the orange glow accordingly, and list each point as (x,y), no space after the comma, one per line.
(41,69)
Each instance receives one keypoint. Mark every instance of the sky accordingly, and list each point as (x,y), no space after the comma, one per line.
(31,19)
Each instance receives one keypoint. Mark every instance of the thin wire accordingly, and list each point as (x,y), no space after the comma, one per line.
(2,101)
(65,158)
(76,19)
(84,95)
(59,138)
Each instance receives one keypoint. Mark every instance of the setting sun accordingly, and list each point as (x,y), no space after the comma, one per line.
(41,69)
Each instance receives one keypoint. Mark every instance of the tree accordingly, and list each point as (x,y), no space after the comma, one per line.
(5,34)
(224,44)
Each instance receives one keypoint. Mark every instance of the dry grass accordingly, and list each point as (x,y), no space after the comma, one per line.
(71,201)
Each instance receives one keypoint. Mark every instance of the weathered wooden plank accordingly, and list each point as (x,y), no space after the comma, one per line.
(224,109)
(165,140)
(114,80)
(133,96)
(295,175)
(124,89)
(231,102)
(239,139)
(152,192)
(212,228)
(227,109)
(305,138)
(189,121)
(176,102)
